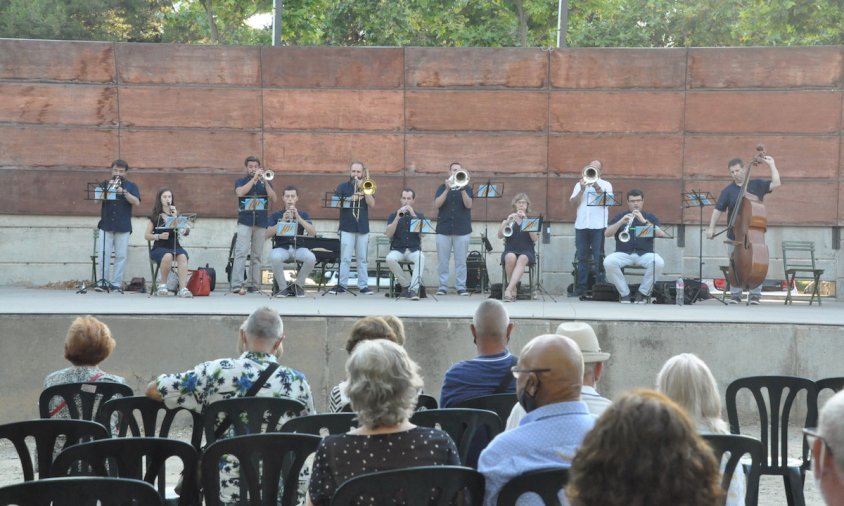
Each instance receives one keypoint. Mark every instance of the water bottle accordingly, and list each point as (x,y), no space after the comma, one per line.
(680,288)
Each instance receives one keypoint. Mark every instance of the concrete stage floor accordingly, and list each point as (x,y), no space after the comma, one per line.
(32,301)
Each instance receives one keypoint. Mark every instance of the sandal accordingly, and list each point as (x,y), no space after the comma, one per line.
(508,297)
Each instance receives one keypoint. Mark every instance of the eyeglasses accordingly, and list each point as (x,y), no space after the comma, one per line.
(516,371)
(812,434)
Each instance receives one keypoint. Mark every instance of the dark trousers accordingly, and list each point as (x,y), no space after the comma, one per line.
(589,243)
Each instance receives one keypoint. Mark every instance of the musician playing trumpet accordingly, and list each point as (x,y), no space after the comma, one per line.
(453,201)
(518,246)
(639,229)
(116,202)
(251,224)
(287,248)
(354,228)
(589,225)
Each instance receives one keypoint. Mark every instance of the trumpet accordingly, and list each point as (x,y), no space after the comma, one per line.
(624,235)
(458,180)
(508,228)
(115,183)
(590,174)
(267,175)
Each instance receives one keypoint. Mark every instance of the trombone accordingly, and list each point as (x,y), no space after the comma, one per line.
(458,180)
(366,187)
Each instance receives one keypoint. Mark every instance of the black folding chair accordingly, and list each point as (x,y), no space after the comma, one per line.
(140,416)
(240,416)
(546,483)
(414,486)
(470,429)
(738,446)
(501,404)
(85,491)
(82,400)
(322,424)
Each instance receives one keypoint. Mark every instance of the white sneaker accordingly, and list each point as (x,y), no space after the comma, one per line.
(162,291)
(185,293)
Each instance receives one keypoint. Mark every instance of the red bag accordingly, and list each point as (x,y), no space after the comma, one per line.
(199,283)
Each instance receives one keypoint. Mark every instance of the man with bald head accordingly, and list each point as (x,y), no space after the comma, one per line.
(489,372)
(828,450)
(548,376)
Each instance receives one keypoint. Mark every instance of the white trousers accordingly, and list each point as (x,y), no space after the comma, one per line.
(416,258)
(652,263)
(278,256)
(250,242)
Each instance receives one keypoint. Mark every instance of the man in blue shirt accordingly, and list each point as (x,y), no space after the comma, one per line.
(548,380)
(118,197)
(454,226)
(489,372)
(251,224)
(634,245)
(354,229)
(287,248)
(727,201)
(405,246)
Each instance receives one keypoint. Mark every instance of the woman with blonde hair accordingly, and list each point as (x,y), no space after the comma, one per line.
(644,451)
(688,381)
(518,246)
(383,385)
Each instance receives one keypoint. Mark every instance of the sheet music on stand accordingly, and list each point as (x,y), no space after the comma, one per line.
(181,222)
(252,203)
(490,190)
(604,199)
(95,191)
(531,224)
(697,198)
(649,231)
(332,201)
(422,226)
(286,228)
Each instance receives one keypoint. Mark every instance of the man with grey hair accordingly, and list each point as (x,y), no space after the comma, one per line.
(489,372)
(593,366)
(827,445)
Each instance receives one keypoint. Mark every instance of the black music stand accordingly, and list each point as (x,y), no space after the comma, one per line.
(174,225)
(602,199)
(285,228)
(251,203)
(535,225)
(333,201)
(100,192)
(699,199)
(489,190)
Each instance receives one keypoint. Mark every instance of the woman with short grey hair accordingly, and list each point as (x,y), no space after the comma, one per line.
(384,384)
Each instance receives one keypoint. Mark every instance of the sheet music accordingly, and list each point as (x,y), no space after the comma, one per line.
(422,226)
(531,224)
(253,204)
(286,228)
(110,194)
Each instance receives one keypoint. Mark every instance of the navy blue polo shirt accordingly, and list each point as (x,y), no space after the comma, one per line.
(283,241)
(403,238)
(253,218)
(729,195)
(454,218)
(116,215)
(348,223)
(638,245)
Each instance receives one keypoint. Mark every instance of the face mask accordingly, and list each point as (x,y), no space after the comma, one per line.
(527,401)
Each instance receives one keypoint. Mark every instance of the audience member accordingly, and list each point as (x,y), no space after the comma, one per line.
(548,379)
(383,384)
(827,444)
(396,324)
(261,336)
(370,327)
(87,344)
(593,366)
(489,372)
(644,451)
(687,380)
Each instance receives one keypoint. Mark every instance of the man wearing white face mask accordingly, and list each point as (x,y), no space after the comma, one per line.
(549,375)
(827,444)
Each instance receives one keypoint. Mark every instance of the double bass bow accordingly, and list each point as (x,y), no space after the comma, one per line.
(749,222)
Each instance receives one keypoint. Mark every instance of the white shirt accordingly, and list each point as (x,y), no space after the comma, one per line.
(594,217)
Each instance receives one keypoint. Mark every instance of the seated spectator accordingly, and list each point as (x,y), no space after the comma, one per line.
(593,366)
(261,336)
(548,375)
(489,372)
(397,325)
(87,344)
(644,451)
(687,380)
(383,385)
(370,327)
(827,444)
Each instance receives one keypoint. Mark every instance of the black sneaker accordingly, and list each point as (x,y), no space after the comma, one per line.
(366,291)
(251,289)
(299,291)
(337,289)
(626,299)
(754,300)
(412,295)
(734,300)
(442,291)
(405,294)
(284,292)
(463,293)
(639,298)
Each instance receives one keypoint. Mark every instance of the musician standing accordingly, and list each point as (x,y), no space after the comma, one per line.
(354,229)
(727,201)
(115,223)
(251,224)
(454,226)
(286,248)
(637,250)
(405,246)
(518,246)
(589,227)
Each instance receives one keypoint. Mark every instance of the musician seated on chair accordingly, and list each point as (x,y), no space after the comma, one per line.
(727,201)
(518,246)
(405,246)
(287,247)
(634,246)
(166,247)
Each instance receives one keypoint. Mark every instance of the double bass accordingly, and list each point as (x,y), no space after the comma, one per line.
(749,221)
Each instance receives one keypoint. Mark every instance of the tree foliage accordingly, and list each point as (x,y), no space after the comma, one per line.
(485,23)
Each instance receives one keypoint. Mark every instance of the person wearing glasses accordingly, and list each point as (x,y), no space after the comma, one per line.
(827,444)
(548,375)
